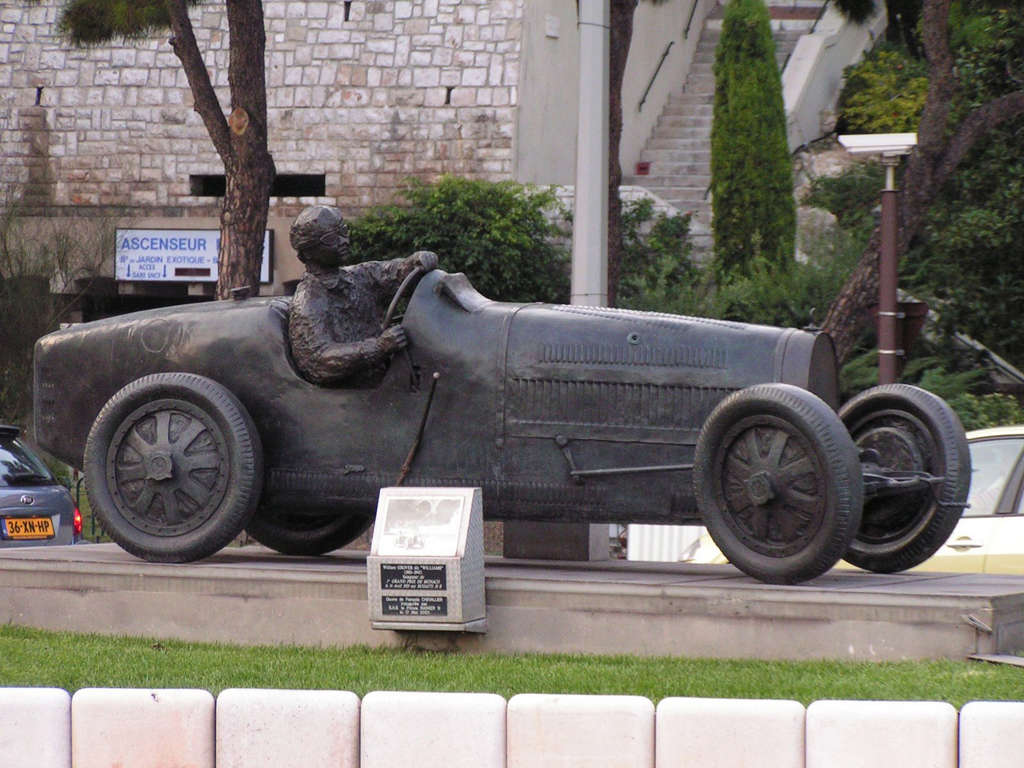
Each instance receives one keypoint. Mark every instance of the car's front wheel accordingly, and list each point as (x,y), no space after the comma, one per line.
(777,480)
(174,467)
(295,533)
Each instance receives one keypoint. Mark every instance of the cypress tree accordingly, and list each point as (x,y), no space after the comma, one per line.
(753,210)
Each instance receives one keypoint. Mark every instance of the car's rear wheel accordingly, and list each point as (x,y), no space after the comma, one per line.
(294,533)
(911,430)
(174,467)
(777,480)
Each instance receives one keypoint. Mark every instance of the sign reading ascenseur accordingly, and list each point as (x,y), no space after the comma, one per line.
(178,255)
(426,563)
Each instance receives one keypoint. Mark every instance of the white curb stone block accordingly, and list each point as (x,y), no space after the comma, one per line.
(991,734)
(580,731)
(432,730)
(142,728)
(35,728)
(287,729)
(869,734)
(725,733)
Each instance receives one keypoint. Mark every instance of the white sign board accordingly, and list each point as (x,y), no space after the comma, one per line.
(178,255)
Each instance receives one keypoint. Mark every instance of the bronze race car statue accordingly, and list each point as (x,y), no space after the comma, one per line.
(193,424)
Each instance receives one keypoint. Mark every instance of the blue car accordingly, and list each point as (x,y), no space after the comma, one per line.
(34,507)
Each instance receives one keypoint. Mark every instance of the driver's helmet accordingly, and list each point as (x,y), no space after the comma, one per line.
(319,234)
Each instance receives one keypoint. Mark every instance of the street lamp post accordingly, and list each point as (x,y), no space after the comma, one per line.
(891,147)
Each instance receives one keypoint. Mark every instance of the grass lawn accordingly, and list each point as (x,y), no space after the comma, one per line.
(30,657)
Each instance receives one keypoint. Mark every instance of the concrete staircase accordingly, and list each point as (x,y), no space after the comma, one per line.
(678,153)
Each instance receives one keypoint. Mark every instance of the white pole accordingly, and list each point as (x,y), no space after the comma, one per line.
(590,218)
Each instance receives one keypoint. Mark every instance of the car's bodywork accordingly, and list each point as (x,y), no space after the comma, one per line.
(624,389)
(559,413)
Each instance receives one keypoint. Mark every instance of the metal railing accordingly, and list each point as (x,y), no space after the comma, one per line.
(689,21)
(814,28)
(657,69)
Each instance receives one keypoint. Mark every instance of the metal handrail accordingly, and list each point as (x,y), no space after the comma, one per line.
(814,28)
(689,21)
(657,69)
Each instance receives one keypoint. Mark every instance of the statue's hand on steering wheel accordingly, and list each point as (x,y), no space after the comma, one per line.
(393,339)
(427,260)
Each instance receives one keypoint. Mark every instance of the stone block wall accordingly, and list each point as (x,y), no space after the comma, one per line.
(367,93)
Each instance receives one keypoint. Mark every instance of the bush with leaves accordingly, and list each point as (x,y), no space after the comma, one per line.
(992,410)
(753,211)
(962,389)
(852,196)
(656,258)
(791,296)
(501,234)
(884,93)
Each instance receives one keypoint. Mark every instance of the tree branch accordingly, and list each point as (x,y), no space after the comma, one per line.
(206,104)
(246,62)
(941,79)
(974,127)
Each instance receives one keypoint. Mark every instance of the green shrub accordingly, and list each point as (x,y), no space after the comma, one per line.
(791,296)
(992,410)
(884,93)
(958,388)
(656,257)
(753,211)
(852,195)
(796,296)
(501,234)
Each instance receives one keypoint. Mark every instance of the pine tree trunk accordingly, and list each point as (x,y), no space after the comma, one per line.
(621,36)
(250,172)
(240,139)
(243,222)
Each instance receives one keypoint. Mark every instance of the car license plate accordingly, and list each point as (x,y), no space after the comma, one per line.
(26,527)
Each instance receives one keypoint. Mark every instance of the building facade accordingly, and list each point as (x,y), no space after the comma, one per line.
(361,96)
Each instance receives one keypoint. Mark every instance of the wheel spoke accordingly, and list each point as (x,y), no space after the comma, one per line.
(172,512)
(757,519)
(144,500)
(163,428)
(736,498)
(737,466)
(776,447)
(795,469)
(194,490)
(753,448)
(129,473)
(205,460)
(136,442)
(801,501)
(189,434)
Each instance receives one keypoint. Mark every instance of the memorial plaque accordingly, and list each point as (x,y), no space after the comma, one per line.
(413,605)
(426,565)
(413,576)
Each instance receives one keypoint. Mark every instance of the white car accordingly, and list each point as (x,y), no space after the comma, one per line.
(990,536)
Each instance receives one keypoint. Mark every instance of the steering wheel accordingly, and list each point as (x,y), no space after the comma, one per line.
(410,280)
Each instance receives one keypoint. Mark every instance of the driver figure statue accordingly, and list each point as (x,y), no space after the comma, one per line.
(334,324)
